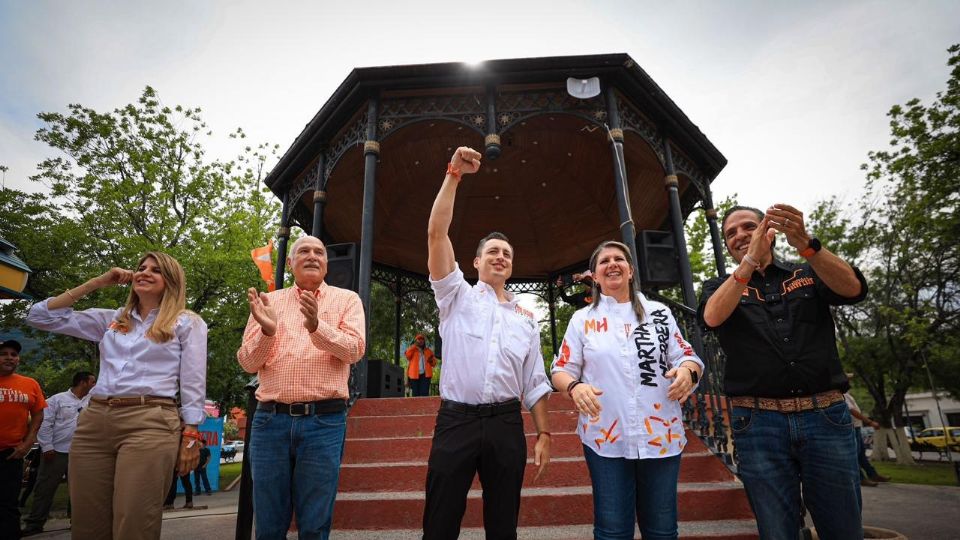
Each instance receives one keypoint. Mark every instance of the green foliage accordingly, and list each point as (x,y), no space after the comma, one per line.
(125,182)
(419,315)
(905,234)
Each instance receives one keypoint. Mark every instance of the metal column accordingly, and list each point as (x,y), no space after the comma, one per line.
(371,153)
(319,197)
(282,236)
(627,232)
(676,223)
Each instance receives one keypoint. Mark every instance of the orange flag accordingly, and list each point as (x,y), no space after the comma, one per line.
(262,258)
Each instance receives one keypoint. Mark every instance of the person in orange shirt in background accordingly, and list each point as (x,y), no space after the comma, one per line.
(420,369)
(300,341)
(21,412)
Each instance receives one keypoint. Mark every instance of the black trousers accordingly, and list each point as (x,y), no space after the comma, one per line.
(465,444)
(11,475)
(187,489)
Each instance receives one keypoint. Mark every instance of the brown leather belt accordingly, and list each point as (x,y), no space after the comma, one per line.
(136,401)
(788,405)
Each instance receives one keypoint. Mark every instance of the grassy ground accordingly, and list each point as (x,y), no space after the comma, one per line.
(924,472)
(228,472)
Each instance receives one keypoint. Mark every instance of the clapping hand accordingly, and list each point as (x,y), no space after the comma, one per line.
(262,311)
(309,307)
(789,221)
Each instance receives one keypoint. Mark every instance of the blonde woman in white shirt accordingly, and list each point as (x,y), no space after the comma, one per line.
(627,368)
(132,435)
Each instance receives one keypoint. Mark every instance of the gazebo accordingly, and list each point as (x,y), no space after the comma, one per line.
(578,149)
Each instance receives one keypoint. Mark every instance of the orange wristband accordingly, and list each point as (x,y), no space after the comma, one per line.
(192,435)
(742,281)
(453,171)
(808,252)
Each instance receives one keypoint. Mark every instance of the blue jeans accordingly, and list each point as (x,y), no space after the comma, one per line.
(420,386)
(815,451)
(862,456)
(295,464)
(633,490)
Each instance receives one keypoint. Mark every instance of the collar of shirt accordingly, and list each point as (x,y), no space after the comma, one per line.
(317,293)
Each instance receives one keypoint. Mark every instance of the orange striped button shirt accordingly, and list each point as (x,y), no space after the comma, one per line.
(297,366)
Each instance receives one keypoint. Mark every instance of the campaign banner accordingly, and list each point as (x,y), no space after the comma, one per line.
(211,430)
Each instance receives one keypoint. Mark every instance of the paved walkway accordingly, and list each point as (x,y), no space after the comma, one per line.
(919,512)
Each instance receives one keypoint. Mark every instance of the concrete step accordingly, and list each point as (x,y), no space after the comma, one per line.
(421,425)
(428,405)
(541,507)
(399,450)
(700,467)
(730,529)
(394,450)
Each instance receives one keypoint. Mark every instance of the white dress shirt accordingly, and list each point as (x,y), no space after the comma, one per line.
(60,421)
(491,350)
(606,346)
(133,365)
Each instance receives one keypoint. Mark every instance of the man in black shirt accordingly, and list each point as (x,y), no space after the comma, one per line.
(790,424)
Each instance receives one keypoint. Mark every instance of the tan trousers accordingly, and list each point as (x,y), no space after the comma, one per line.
(121,460)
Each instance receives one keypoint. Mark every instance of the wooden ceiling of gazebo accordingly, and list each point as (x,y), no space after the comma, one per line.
(552,189)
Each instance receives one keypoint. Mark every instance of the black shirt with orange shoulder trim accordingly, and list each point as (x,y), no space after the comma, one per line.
(780,342)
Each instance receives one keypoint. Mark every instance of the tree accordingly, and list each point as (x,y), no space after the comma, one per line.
(905,234)
(132,180)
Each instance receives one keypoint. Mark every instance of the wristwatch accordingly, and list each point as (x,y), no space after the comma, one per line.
(694,378)
(812,248)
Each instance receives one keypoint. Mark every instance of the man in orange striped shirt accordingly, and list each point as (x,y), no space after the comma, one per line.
(301,342)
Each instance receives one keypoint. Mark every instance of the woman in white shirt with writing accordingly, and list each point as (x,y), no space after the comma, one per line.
(133,434)
(627,369)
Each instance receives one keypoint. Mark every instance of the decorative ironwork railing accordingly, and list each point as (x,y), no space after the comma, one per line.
(707,412)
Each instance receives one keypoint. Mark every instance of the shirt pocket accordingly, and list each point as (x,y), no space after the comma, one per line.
(804,306)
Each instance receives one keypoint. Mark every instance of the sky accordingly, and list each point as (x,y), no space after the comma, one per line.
(794,94)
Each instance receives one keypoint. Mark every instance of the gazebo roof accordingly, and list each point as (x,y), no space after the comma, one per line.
(552,188)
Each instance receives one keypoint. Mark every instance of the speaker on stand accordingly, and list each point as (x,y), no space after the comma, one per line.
(658,265)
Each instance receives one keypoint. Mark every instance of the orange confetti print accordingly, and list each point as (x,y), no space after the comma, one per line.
(657,406)
(608,436)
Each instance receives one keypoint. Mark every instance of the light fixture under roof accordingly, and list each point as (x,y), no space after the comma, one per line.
(583,88)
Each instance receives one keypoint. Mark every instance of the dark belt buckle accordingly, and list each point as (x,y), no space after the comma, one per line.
(486,410)
(299,409)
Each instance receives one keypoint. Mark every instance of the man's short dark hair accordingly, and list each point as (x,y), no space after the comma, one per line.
(492,236)
(737,208)
(81,377)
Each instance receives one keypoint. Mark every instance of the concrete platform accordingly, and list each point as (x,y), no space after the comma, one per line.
(919,512)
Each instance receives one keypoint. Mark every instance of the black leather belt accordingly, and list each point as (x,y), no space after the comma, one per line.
(486,409)
(308,408)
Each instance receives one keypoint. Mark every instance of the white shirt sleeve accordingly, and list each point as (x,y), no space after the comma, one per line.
(45,434)
(448,289)
(89,324)
(535,383)
(570,359)
(191,330)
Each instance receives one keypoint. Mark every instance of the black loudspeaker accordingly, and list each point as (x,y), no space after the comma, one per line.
(659,266)
(342,266)
(384,379)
